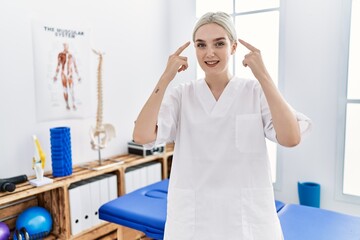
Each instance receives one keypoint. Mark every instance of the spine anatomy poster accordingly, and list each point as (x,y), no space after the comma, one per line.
(61,71)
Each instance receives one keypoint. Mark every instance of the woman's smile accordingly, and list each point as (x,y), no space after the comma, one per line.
(211,63)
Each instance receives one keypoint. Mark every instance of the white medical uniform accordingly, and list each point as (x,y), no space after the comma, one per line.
(220,185)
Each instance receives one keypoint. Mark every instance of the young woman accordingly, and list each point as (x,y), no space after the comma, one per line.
(220,185)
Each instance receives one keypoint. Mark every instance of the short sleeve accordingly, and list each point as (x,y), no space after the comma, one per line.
(168,118)
(305,123)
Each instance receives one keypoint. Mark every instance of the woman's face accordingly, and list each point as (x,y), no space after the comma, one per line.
(213,48)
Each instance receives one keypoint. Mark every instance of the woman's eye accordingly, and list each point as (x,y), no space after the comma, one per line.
(201,45)
(219,44)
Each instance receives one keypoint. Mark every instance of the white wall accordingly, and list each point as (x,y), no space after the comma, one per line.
(136,52)
(134,36)
(182,18)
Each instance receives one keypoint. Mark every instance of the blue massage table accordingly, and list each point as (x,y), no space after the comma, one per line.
(279,205)
(300,222)
(145,210)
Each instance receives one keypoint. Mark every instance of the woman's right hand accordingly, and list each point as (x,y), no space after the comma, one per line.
(176,63)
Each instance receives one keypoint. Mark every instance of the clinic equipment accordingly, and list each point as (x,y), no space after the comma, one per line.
(145,210)
(142,150)
(38,164)
(9,184)
(33,223)
(103,132)
(60,139)
(4,231)
(300,222)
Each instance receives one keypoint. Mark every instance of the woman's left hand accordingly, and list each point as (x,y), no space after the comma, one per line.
(254,61)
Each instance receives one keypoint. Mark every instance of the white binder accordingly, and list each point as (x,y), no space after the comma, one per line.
(113,187)
(129,180)
(75,209)
(136,178)
(143,176)
(154,173)
(104,191)
(86,210)
(95,201)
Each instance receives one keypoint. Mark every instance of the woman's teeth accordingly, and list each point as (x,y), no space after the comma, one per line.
(211,62)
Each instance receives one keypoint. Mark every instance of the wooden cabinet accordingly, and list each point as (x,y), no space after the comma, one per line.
(55,197)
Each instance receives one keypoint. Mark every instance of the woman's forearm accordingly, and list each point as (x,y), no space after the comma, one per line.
(145,129)
(284,120)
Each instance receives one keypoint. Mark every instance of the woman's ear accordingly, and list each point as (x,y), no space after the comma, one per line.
(233,48)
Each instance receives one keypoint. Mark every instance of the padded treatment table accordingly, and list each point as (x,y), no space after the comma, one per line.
(300,222)
(279,205)
(143,209)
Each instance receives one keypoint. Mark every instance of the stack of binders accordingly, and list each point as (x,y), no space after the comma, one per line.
(86,197)
(142,175)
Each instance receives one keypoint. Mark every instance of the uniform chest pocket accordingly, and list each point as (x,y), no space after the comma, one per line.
(250,137)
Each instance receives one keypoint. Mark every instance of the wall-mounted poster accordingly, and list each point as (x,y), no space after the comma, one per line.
(61,71)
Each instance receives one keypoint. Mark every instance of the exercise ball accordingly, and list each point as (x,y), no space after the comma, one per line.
(36,220)
(4,231)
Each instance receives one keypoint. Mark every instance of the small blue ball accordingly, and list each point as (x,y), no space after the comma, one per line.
(36,220)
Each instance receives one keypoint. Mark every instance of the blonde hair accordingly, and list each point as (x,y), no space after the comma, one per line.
(222,19)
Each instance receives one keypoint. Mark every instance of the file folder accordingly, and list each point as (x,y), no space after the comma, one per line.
(95,201)
(75,209)
(154,173)
(104,189)
(85,206)
(113,187)
(129,180)
(143,177)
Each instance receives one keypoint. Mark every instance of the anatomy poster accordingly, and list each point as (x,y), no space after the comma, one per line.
(61,71)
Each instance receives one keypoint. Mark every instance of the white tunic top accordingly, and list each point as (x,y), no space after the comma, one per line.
(220,185)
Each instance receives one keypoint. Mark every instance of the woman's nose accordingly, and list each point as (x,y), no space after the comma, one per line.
(210,52)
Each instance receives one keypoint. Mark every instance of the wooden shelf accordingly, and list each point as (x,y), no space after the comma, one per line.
(55,197)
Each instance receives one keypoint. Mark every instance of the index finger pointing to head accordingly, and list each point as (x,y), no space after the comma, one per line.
(248,46)
(182,48)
